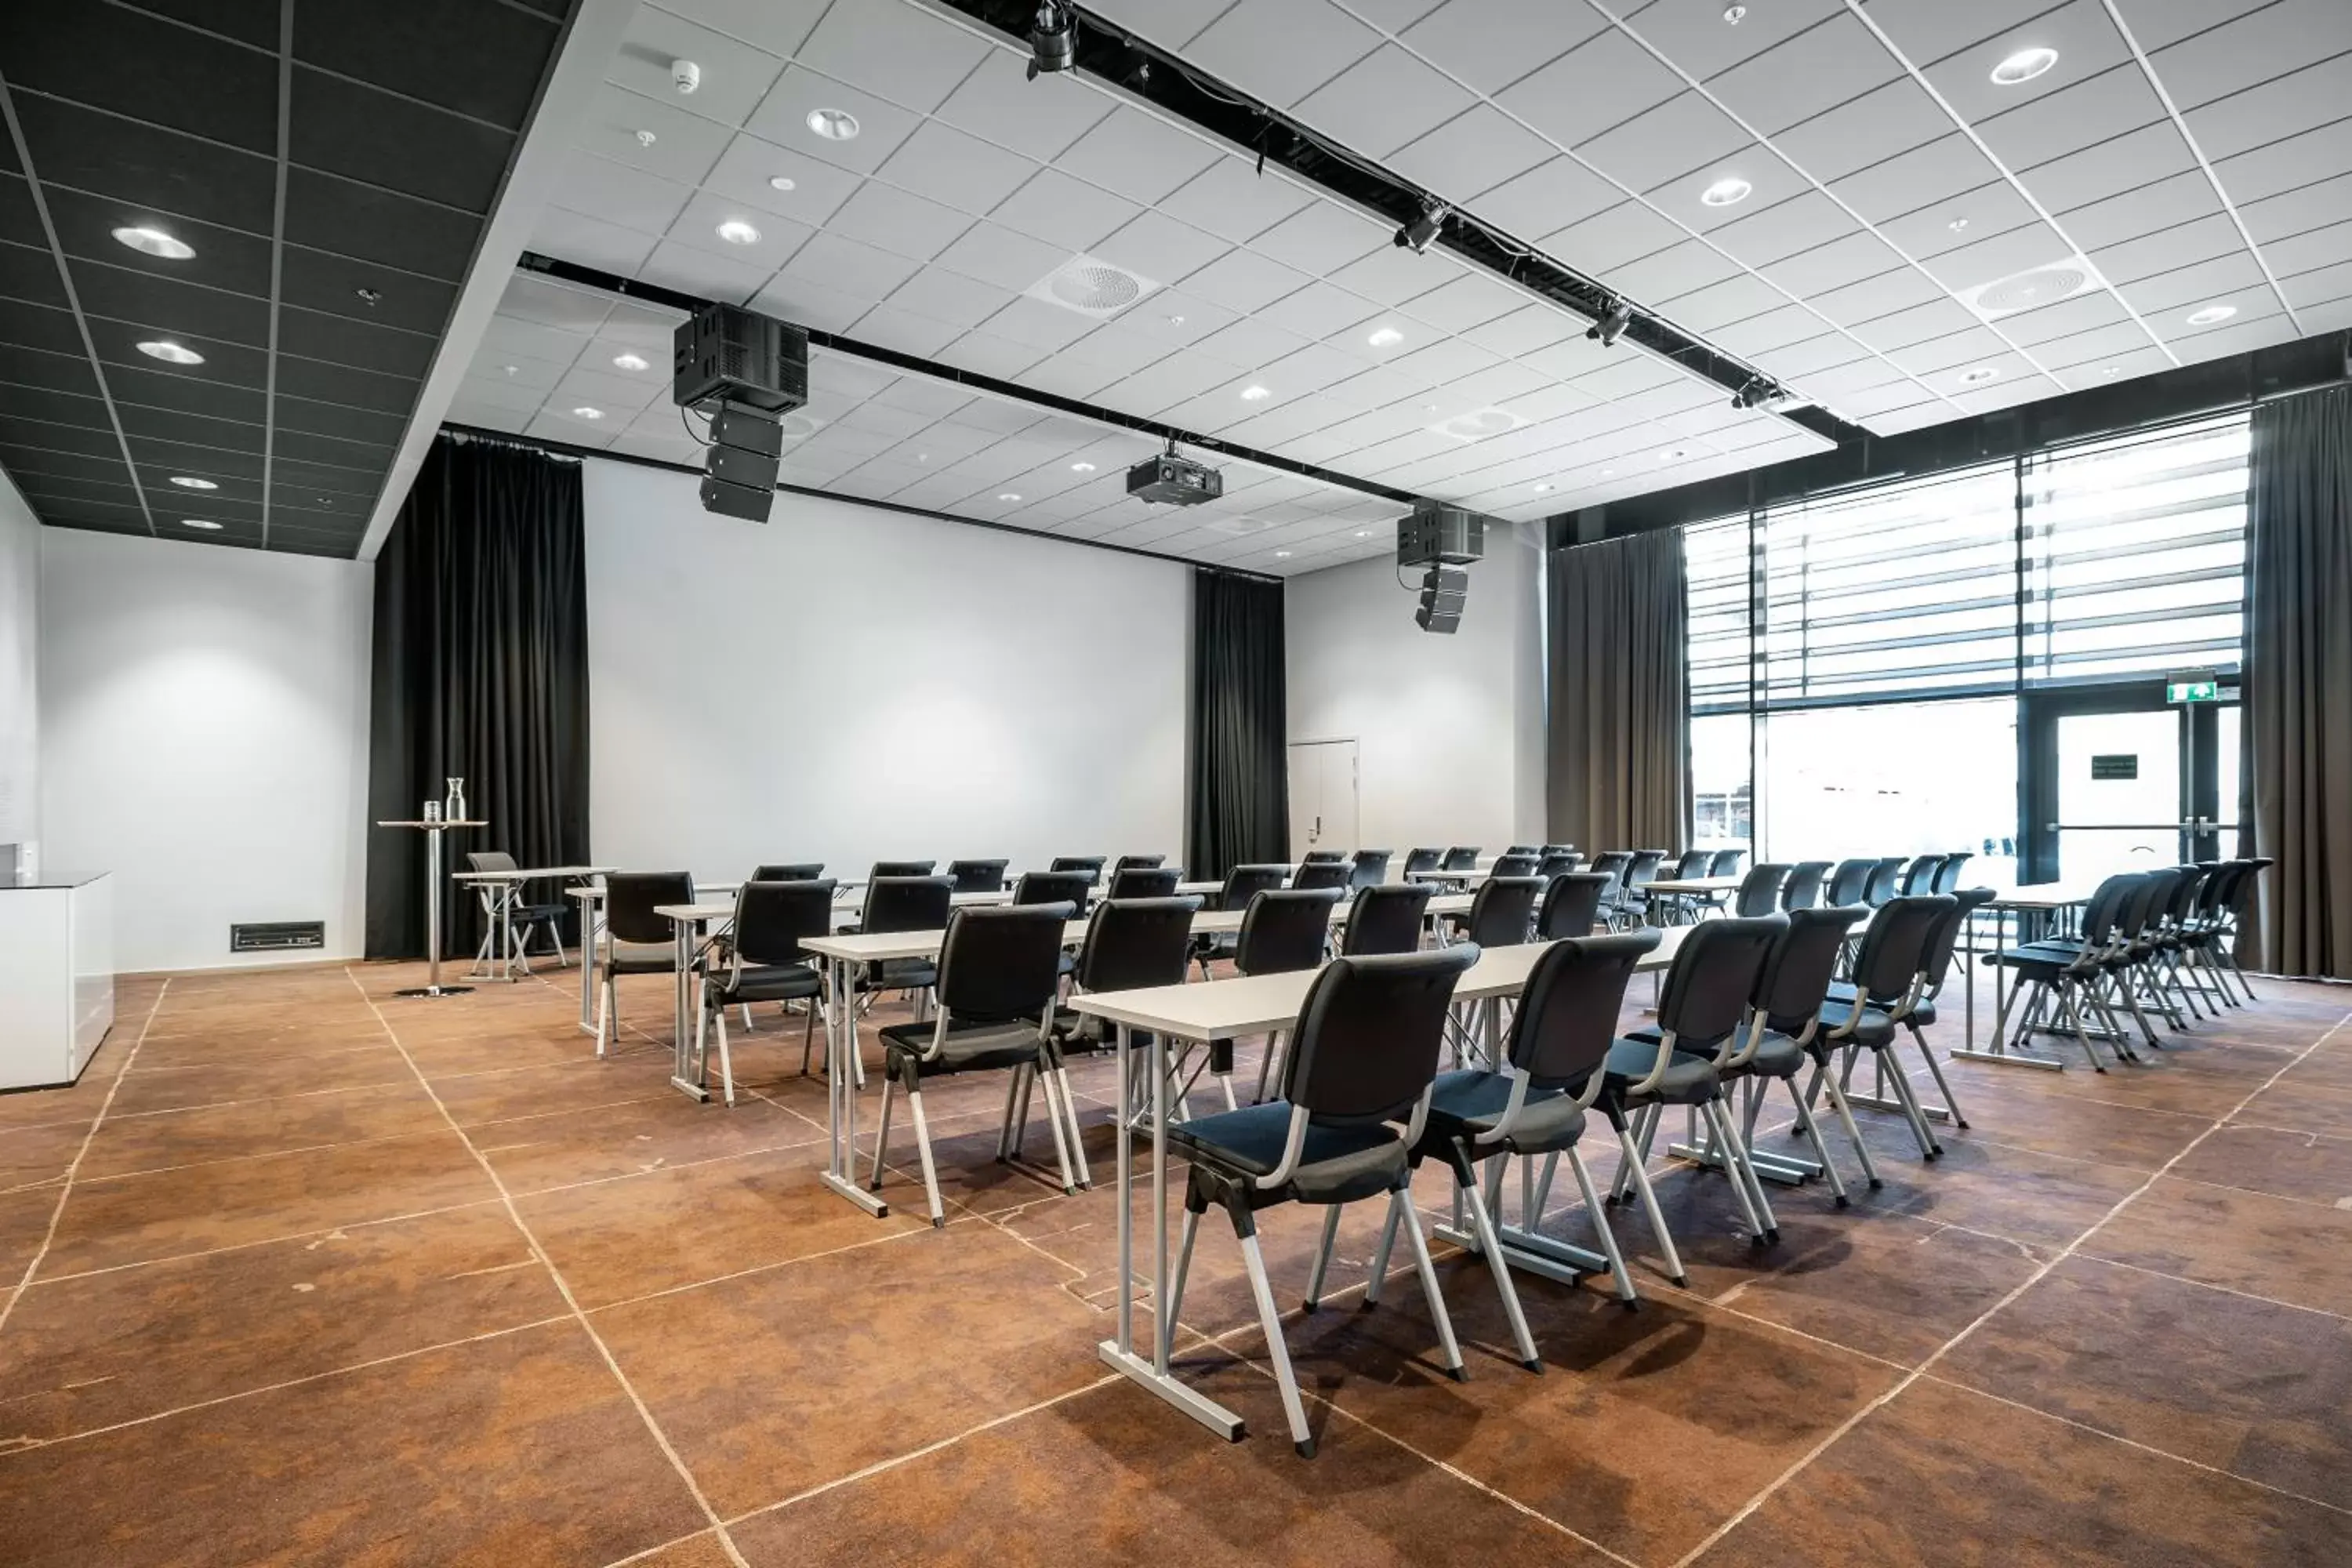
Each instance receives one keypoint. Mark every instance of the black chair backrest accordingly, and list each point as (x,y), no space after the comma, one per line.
(1001,963)
(1091,865)
(1422,860)
(1920,876)
(1059,887)
(1802,890)
(1558,863)
(1759,890)
(1713,975)
(2105,911)
(1850,883)
(2152,897)
(1369,868)
(1144,883)
(1936,959)
(1611,864)
(1572,903)
(1385,918)
(1691,863)
(1312,875)
(1285,929)
(1513,864)
(1895,947)
(1948,875)
(1795,980)
(771,919)
(795,872)
(1642,868)
(630,898)
(1727,862)
(977,876)
(2187,893)
(1370,1032)
(1135,942)
(1567,1013)
(1460,858)
(1244,883)
(901,868)
(906,903)
(1138,862)
(1534,850)
(1884,883)
(489,861)
(1502,912)
(1317,856)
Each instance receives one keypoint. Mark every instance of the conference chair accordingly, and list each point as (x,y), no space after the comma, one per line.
(1533,1104)
(1285,930)
(1242,884)
(1920,876)
(1091,865)
(1460,858)
(1502,914)
(636,940)
(2133,968)
(895,904)
(1534,850)
(977,876)
(1848,882)
(1886,975)
(1640,872)
(1131,944)
(1611,864)
(1948,875)
(999,977)
(1318,856)
(1369,868)
(1727,862)
(1802,890)
(1515,864)
(1885,882)
(1558,863)
(1419,862)
(759,958)
(1144,883)
(522,919)
(2228,944)
(1559,848)
(1691,863)
(1759,890)
(2066,976)
(1385,918)
(1572,905)
(1063,885)
(1314,875)
(2201,930)
(793,871)
(1366,1056)
(900,868)
(1673,908)
(1138,862)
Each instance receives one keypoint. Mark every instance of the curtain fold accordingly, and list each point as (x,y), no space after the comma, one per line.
(1620,731)
(1238,801)
(480,671)
(2298,682)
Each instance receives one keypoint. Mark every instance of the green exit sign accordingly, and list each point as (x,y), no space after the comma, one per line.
(2205,690)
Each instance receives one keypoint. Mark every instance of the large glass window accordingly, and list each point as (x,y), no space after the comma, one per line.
(1899,778)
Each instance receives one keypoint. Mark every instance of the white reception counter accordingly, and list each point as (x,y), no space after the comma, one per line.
(56,975)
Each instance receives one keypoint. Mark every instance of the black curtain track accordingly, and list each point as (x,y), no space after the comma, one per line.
(1239,799)
(480,672)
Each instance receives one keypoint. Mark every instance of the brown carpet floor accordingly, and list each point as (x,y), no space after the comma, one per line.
(302,1272)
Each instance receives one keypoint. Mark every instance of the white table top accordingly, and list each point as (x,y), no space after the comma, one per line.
(2043,896)
(1695,885)
(865,947)
(468,823)
(531,873)
(593,892)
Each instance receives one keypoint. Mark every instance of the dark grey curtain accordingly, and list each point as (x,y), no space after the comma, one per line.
(1238,803)
(480,671)
(1619,757)
(2299,681)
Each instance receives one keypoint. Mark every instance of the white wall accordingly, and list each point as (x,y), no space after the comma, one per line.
(1449,729)
(205,737)
(20,593)
(845,684)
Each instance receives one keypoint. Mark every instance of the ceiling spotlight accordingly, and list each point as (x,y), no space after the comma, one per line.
(1956,224)
(1008,495)
(1254,394)
(584,412)
(647,138)
(1611,326)
(1281,556)
(170,353)
(204,523)
(2211,314)
(1674,454)
(781,182)
(629,362)
(1421,233)
(1175,320)
(154,242)
(1052,41)
(2111,371)
(1082,467)
(1363,533)
(188,483)
(1727,192)
(1978,376)
(1544,487)
(735,231)
(1384,336)
(834,124)
(1732,13)
(509,369)
(2023,66)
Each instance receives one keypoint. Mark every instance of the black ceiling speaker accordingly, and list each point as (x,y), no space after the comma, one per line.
(1444,592)
(746,371)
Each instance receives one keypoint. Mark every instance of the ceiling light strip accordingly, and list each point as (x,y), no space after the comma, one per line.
(2204,164)
(276,264)
(73,297)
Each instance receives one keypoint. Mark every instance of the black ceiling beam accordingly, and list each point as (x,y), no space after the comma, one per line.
(1163,80)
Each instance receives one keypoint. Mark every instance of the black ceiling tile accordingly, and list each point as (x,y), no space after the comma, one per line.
(41,327)
(471,55)
(20,220)
(30,273)
(350,219)
(338,340)
(294,479)
(233,490)
(144,69)
(86,150)
(192,429)
(21,402)
(176,507)
(49,372)
(320,521)
(99,514)
(82,440)
(317,280)
(187,394)
(225,365)
(225,257)
(328,549)
(42,488)
(364,425)
(24,461)
(363,134)
(250,21)
(206,462)
(180,311)
(323,382)
(302,446)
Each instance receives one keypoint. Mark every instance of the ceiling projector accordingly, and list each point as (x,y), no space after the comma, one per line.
(1174,480)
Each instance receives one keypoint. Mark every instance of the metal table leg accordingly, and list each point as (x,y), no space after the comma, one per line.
(686,1073)
(592,931)
(1996,1049)
(841,1092)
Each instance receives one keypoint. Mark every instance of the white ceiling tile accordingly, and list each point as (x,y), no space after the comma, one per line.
(1392,16)
(1392,275)
(1833,265)
(1546,198)
(733,78)
(1966,347)
(990,355)
(1782,229)
(1829,64)
(592,242)
(1881,124)
(809,304)
(2148,361)
(777,237)
(540,354)
(2099,308)
(2286,163)
(1875,297)
(1161,249)
(1706,311)
(1470,299)
(996,254)
(2090,112)
(1779,326)
(950,298)
(1317,310)
(1490,43)
(1068,214)
(2312,96)
(2191,287)
(846,266)
(1383,102)
(1695,36)
(2247,332)
(1117,349)
(1470,154)
(1608,240)
(2318,287)
(779,27)
(1525,329)
(2317,206)
(1985,213)
(549,303)
(1447,360)
(1675,270)
(1138,155)
(2145,257)
(1243,281)
(1279,51)
(497,391)
(1177,318)
(1170,23)
(1321,237)
(1813,356)
(2313,249)
(2002,255)
(2094,345)
(904,225)
(619,194)
(1921,177)
(1249,342)
(744,170)
(2176,199)
(2086,42)
(2158,23)
(899,51)
(693,270)
(1232,200)
(684,145)
(1040,325)
(2250,50)
(943,164)
(556,426)
(1040,119)
(1927,30)
(1602,82)
(891,328)
(1771,181)
(2097,173)
(782,118)
(1171,381)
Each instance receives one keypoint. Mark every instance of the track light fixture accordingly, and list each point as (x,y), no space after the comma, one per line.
(1757,391)
(1054,41)
(1421,233)
(1611,326)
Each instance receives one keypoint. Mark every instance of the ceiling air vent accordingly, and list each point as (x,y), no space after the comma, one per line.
(1091,287)
(1478,423)
(2029,290)
(1238,525)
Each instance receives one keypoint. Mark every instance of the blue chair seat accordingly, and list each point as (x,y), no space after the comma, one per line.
(1469,1102)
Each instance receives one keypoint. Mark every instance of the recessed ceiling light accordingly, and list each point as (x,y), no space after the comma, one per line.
(1254,394)
(154,242)
(587,414)
(205,523)
(170,353)
(1732,13)
(1727,192)
(1384,336)
(629,362)
(2024,65)
(1281,556)
(510,369)
(735,231)
(1008,495)
(1982,373)
(2211,314)
(832,124)
(1544,487)
(1608,473)
(187,482)
(2112,370)
(1674,454)
(1363,533)
(647,138)
(781,182)
(922,457)
(1175,320)
(1956,224)
(1082,467)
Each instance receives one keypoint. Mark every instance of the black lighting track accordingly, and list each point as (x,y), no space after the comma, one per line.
(1146,71)
(915,364)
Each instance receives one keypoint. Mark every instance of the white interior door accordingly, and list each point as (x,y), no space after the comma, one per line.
(1322,796)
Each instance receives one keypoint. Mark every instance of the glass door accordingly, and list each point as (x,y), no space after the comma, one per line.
(2115,780)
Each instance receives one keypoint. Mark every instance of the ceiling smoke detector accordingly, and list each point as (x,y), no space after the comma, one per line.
(1091,287)
(2032,289)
